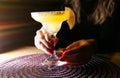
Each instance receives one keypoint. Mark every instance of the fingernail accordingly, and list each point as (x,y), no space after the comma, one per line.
(50,53)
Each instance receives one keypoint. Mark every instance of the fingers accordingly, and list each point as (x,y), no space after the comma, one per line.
(70,49)
(47,37)
(42,38)
(70,58)
(78,52)
(41,46)
(75,46)
(42,41)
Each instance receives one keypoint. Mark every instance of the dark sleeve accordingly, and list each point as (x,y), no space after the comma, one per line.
(64,36)
(80,31)
(109,38)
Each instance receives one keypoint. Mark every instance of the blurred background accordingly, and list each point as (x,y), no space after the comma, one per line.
(17,28)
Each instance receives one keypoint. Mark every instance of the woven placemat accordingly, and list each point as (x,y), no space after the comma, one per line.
(30,67)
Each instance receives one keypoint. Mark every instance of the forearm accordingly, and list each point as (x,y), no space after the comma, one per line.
(93,44)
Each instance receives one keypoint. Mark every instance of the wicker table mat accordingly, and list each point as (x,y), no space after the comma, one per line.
(29,66)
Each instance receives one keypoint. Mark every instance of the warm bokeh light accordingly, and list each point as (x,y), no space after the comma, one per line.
(16,25)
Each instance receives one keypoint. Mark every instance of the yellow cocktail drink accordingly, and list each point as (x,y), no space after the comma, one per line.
(52,20)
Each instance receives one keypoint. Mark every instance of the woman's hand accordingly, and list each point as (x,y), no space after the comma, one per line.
(44,41)
(79,52)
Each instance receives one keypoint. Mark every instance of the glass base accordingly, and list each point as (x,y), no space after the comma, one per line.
(52,62)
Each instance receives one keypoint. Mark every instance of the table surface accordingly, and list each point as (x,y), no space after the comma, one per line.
(21,51)
(27,50)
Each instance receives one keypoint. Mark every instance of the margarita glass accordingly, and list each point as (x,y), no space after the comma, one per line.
(51,22)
